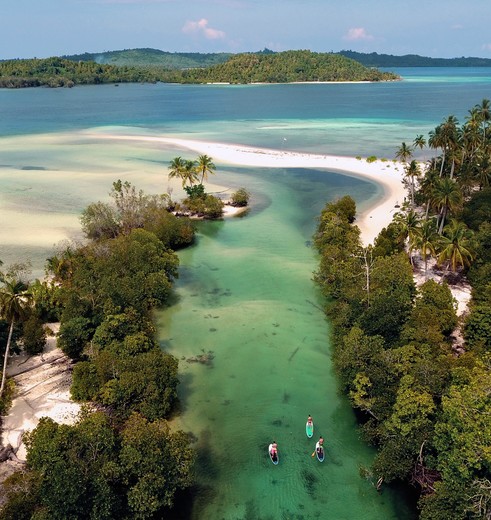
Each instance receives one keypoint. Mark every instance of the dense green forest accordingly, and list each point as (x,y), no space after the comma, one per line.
(183,60)
(374,59)
(417,374)
(103,292)
(58,72)
(286,67)
(120,460)
(153,58)
(242,68)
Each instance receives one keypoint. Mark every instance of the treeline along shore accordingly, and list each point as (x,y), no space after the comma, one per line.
(418,374)
(119,459)
(285,67)
(153,65)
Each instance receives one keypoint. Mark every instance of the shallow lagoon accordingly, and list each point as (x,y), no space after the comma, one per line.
(246,298)
(245,294)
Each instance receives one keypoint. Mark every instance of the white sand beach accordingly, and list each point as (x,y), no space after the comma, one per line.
(42,390)
(387,174)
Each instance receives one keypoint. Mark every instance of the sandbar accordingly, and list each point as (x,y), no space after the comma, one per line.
(377,214)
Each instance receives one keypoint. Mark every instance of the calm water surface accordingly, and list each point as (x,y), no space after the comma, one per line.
(245,296)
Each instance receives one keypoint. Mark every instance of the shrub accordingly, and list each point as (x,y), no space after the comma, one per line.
(208,207)
(33,335)
(195,192)
(240,198)
(477,330)
(74,335)
(85,383)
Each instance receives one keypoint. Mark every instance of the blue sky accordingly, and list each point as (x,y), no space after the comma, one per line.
(437,28)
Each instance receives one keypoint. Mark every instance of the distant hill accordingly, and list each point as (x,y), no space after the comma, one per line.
(187,60)
(153,58)
(285,67)
(413,60)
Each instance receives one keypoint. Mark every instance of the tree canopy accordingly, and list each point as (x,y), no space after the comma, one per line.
(284,67)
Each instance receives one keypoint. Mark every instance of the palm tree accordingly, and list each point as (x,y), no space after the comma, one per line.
(61,267)
(470,135)
(404,153)
(419,142)
(189,173)
(205,166)
(427,186)
(451,138)
(447,196)
(14,306)
(456,245)
(446,137)
(184,170)
(408,223)
(436,141)
(483,169)
(425,240)
(176,168)
(412,171)
(484,110)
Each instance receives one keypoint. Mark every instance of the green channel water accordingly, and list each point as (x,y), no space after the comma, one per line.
(246,299)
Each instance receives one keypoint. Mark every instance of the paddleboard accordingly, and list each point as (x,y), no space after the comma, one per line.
(320,456)
(275,460)
(309,429)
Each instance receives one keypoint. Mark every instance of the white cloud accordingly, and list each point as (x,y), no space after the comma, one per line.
(201,27)
(357,33)
(486,47)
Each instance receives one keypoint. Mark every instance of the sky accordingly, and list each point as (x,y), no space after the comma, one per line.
(435,28)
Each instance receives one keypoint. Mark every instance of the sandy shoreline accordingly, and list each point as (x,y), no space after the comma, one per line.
(386,174)
(42,390)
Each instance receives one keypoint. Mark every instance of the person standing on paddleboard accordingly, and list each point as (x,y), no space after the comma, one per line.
(273,451)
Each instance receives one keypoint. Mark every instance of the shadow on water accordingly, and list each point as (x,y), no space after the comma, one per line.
(185,380)
(206,458)
(209,228)
(187,503)
(192,502)
(310,481)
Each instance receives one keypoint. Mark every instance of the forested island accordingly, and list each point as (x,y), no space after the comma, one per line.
(183,60)
(285,67)
(373,59)
(266,66)
(418,376)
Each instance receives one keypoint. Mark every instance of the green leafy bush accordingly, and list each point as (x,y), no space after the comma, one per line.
(240,198)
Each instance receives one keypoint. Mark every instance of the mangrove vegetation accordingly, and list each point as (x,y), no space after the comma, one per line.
(120,459)
(419,375)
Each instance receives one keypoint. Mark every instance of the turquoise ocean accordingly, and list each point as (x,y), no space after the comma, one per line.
(245,296)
